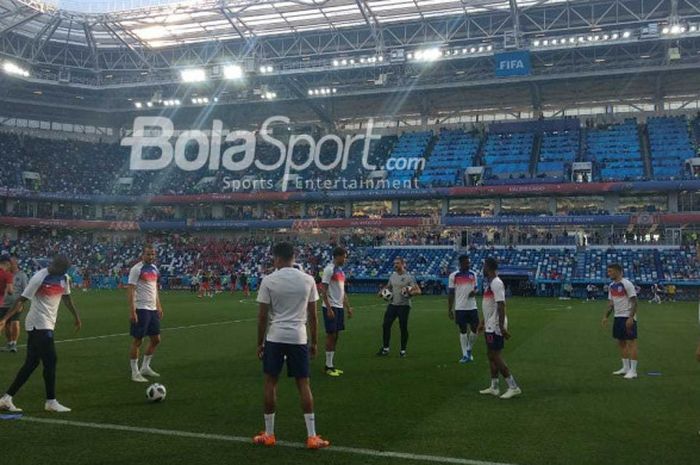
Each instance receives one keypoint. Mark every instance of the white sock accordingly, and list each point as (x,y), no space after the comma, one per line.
(269,423)
(626,364)
(134,366)
(310,420)
(464,342)
(511,382)
(6,397)
(633,366)
(472,339)
(329,359)
(494,383)
(146,361)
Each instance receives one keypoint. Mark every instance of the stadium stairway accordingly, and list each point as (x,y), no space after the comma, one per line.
(580,271)
(644,149)
(535,156)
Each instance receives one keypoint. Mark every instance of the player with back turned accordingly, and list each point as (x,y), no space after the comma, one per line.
(287,304)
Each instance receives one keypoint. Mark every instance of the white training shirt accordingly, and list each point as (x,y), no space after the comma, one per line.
(45,291)
(462,284)
(495,292)
(288,291)
(334,278)
(145,278)
(620,293)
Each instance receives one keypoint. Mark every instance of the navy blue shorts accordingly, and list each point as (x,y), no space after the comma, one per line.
(148,324)
(297,356)
(494,341)
(337,323)
(620,330)
(5,310)
(467,317)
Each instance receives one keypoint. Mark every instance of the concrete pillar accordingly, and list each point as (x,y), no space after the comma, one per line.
(395,207)
(497,207)
(99,212)
(673,202)
(444,207)
(217,211)
(348,209)
(611,203)
(10,205)
(304,209)
(552,205)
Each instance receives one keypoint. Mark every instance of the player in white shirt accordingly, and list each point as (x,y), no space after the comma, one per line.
(46,290)
(145,313)
(622,299)
(461,306)
(287,304)
(335,303)
(495,326)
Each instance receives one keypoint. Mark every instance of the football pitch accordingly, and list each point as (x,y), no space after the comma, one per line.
(424,408)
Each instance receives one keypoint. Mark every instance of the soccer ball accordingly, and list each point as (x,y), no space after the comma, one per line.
(156,393)
(386,294)
(406,291)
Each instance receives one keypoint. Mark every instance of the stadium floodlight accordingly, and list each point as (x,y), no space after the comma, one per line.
(429,54)
(380,58)
(14,70)
(352,61)
(665,30)
(268,95)
(336,62)
(606,37)
(481,49)
(138,104)
(473,50)
(615,36)
(193,75)
(233,72)
(626,34)
(572,40)
(489,48)
(363,60)
(693,29)
(409,56)
(544,42)
(581,39)
(334,90)
(149,104)
(536,43)
(344,62)
(310,92)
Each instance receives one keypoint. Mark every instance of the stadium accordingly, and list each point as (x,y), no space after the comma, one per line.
(161,158)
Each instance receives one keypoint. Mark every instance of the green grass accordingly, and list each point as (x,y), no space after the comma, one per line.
(572,410)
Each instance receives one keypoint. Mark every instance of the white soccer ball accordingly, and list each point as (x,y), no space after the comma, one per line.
(406,291)
(386,294)
(156,392)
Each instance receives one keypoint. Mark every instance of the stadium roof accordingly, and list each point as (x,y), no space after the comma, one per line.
(162,23)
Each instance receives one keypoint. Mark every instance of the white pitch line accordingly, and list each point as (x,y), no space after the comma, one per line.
(247,440)
(107,336)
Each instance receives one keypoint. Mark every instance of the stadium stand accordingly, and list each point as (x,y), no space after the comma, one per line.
(107,260)
(507,155)
(558,151)
(670,145)
(616,151)
(454,152)
(409,149)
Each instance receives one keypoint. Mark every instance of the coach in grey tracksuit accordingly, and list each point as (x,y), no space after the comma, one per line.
(402,286)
